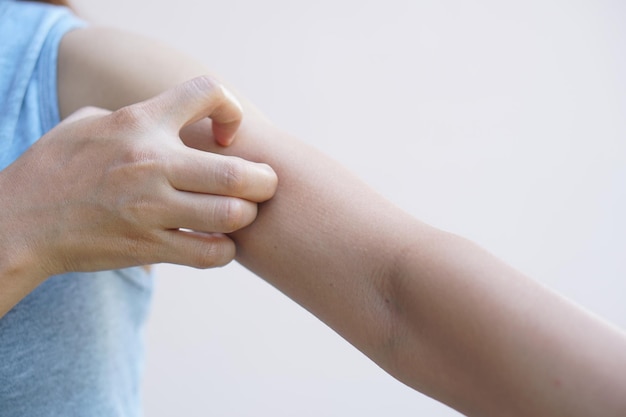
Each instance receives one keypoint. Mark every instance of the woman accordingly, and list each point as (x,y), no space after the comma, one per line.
(73,346)
(500,344)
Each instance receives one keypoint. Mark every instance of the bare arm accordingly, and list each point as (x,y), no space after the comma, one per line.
(433,309)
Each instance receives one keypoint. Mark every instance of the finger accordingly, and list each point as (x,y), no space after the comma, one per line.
(208,213)
(209,173)
(86,112)
(198,250)
(193,100)
(224,133)
(199,136)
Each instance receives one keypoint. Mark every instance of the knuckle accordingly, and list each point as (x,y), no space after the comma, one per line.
(233,215)
(146,160)
(212,254)
(87,111)
(138,250)
(133,116)
(205,83)
(233,177)
(139,209)
(140,158)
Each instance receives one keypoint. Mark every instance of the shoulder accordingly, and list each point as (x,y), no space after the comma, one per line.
(110,68)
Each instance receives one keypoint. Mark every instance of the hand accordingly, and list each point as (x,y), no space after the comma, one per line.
(108,190)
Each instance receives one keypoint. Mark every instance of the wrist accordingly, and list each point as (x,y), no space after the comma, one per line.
(18,260)
(19,275)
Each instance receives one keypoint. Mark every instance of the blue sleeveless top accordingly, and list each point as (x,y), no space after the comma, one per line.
(73,346)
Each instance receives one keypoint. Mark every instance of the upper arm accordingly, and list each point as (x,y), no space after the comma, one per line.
(111,69)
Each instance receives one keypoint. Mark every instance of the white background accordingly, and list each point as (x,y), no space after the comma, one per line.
(501,121)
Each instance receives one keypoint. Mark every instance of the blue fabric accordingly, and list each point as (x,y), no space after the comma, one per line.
(73,347)
(30,34)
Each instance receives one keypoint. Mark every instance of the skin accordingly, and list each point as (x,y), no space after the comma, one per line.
(128,198)
(436,311)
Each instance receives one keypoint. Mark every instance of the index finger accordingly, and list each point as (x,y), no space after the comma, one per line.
(195,99)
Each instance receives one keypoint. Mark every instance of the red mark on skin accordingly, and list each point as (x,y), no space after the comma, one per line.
(556,383)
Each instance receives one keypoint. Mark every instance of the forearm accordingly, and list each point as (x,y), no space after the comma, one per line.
(433,309)
(484,338)
(326,239)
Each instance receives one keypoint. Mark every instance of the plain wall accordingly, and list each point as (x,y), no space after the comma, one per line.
(501,121)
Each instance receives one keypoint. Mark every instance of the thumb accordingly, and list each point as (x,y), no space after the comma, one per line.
(193,100)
